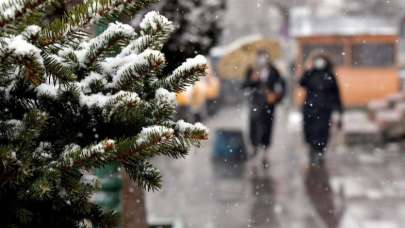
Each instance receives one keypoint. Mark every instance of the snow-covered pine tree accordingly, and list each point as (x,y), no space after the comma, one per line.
(71,103)
(198,27)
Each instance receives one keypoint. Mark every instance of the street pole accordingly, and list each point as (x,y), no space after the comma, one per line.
(133,204)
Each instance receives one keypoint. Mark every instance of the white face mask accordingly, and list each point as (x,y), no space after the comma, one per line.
(320,63)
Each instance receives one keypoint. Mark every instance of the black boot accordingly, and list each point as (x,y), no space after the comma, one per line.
(316,158)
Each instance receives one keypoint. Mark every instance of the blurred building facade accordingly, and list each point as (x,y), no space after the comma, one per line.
(274,18)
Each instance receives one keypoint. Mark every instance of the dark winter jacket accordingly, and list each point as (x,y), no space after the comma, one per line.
(322,98)
(258,95)
(322,89)
(261,112)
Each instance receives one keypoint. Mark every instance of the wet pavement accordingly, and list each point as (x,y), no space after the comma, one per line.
(360,187)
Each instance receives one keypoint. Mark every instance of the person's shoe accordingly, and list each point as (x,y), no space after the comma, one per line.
(266,164)
(316,160)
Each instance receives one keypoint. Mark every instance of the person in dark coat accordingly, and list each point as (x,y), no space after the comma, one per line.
(322,99)
(267,88)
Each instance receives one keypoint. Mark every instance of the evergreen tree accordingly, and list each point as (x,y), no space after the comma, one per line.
(198,27)
(71,103)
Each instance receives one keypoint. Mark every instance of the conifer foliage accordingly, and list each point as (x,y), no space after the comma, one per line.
(71,103)
(198,27)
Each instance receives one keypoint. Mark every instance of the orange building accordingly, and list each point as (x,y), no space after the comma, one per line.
(366,57)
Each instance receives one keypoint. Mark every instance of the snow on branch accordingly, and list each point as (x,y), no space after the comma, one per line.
(88,13)
(74,155)
(195,131)
(164,97)
(11,11)
(32,30)
(143,144)
(137,68)
(20,51)
(158,27)
(122,100)
(186,74)
(95,47)
(155,22)
(150,134)
(137,46)
(94,77)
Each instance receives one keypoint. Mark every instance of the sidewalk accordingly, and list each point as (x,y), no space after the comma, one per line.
(361,188)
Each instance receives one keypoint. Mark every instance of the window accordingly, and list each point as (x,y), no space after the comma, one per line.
(334,51)
(373,55)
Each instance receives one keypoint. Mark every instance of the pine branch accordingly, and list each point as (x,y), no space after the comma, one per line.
(156,30)
(18,51)
(158,27)
(144,174)
(56,69)
(188,73)
(115,34)
(131,76)
(88,13)
(61,99)
(12,12)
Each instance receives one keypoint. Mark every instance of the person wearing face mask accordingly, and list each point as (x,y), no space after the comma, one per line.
(321,100)
(267,89)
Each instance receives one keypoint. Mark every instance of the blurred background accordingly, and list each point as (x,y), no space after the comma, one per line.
(362,184)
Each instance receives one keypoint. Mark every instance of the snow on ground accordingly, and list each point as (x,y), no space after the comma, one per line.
(366,186)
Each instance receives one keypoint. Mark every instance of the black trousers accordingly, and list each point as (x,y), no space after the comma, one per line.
(261,126)
(317,122)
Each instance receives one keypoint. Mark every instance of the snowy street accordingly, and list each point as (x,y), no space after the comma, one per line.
(361,187)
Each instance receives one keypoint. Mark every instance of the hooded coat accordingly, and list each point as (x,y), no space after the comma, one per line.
(261,114)
(322,98)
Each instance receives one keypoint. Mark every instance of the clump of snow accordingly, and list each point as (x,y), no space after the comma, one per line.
(10,9)
(87,81)
(153,20)
(43,151)
(32,30)
(134,61)
(117,27)
(48,89)
(165,97)
(191,63)
(17,125)
(159,131)
(13,155)
(201,127)
(185,127)
(65,51)
(110,65)
(73,152)
(68,153)
(122,98)
(21,48)
(127,97)
(89,179)
(101,41)
(135,46)
(99,100)
(146,59)
(99,148)
(154,56)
